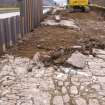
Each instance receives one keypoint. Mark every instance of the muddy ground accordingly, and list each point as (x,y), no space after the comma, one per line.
(46,38)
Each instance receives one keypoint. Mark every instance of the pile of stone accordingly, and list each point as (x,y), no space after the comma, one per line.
(57,21)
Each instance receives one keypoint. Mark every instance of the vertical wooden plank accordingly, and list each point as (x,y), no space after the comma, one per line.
(41,10)
(2,37)
(36,13)
(18,27)
(19,21)
(13,28)
(28,14)
(21,2)
(1,44)
(7,32)
(25,17)
(32,13)
(35,17)
(10,34)
(38,10)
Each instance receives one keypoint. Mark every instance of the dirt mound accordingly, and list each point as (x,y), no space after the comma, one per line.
(48,38)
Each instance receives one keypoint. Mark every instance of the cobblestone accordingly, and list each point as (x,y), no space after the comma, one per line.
(66,98)
(47,86)
(93,102)
(74,90)
(58,100)
(60,83)
(81,101)
(64,90)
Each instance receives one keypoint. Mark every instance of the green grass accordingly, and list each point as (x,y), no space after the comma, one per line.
(6,10)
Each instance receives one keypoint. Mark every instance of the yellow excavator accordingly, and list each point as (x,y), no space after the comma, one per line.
(75,5)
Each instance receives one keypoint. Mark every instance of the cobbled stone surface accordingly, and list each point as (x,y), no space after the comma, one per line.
(81,101)
(58,100)
(23,82)
(74,90)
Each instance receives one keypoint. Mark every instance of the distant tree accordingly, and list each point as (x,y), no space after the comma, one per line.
(8,3)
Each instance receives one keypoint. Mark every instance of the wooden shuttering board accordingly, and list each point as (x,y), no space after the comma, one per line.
(31,14)
(2,38)
(14,28)
(9,32)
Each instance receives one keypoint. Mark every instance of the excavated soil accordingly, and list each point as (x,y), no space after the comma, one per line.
(29,81)
(46,38)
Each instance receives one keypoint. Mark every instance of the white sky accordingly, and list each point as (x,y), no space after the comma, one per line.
(61,1)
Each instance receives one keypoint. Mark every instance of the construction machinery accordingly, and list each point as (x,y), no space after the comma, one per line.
(78,5)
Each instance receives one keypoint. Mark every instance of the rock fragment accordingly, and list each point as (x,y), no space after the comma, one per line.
(66,98)
(77,60)
(61,77)
(81,101)
(57,18)
(60,83)
(74,90)
(41,58)
(62,23)
(20,70)
(99,53)
(93,102)
(58,100)
(64,90)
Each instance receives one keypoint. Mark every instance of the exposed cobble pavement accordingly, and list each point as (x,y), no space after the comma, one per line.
(25,82)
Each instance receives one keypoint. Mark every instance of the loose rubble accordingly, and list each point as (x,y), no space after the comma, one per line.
(99,53)
(57,18)
(25,81)
(61,23)
(77,60)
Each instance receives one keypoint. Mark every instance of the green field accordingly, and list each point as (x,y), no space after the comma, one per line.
(7,10)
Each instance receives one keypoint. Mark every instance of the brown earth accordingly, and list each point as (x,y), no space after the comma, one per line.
(46,38)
